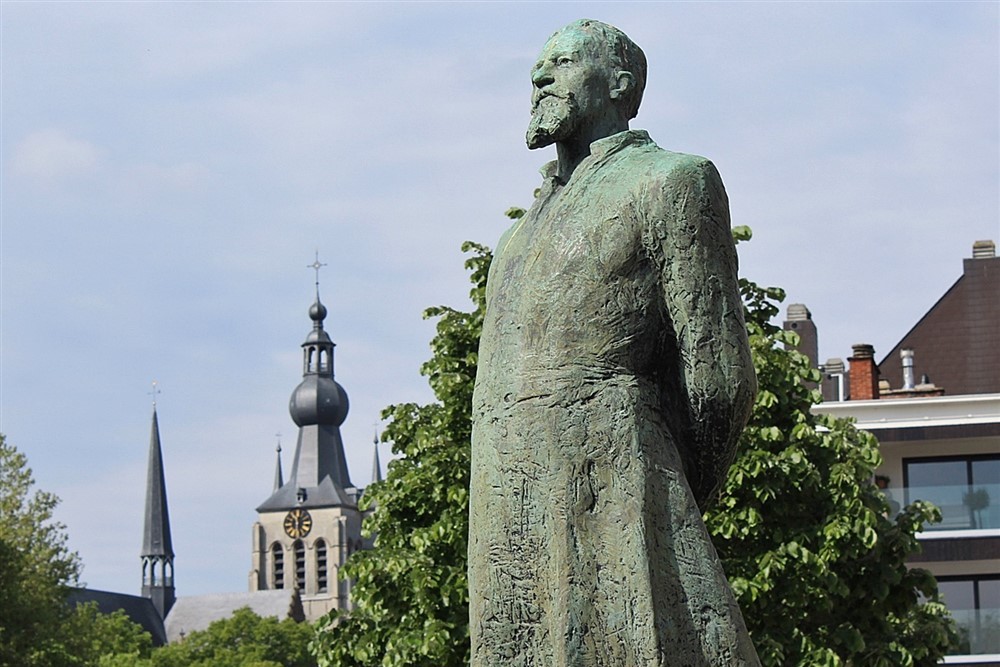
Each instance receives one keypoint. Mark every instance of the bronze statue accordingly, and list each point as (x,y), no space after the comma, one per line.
(614,381)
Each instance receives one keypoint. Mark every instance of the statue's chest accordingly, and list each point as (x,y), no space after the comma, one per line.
(575,261)
(573,239)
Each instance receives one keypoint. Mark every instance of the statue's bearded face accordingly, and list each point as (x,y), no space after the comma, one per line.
(572,80)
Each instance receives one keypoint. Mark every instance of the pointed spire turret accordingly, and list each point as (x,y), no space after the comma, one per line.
(157,547)
(279,478)
(376,464)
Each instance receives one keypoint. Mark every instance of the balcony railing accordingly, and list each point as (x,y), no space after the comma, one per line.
(978,630)
(962,507)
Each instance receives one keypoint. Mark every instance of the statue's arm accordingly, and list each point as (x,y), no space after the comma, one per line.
(704,313)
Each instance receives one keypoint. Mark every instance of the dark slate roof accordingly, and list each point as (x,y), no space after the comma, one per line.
(957,342)
(197,612)
(139,609)
(156,532)
(325,494)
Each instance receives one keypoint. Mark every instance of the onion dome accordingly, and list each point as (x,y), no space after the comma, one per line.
(318,399)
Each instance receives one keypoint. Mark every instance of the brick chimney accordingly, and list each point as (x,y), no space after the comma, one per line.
(799,320)
(863,373)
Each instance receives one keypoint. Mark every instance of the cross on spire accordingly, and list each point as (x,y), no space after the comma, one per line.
(154,392)
(316,266)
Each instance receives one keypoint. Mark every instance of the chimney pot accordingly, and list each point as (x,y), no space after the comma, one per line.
(863,351)
(834,365)
(798,311)
(983,249)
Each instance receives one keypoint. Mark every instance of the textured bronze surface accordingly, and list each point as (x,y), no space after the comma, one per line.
(614,380)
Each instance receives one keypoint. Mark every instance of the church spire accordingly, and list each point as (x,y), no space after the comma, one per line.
(157,547)
(318,406)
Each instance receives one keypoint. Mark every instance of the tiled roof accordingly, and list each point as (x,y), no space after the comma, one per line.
(957,342)
(197,612)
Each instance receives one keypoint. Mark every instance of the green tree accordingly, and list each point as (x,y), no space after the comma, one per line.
(37,569)
(37,572)
(242,640)
(806,537)
(818,565)
(92,639)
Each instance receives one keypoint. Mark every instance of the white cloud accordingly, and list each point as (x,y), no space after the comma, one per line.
(53,155)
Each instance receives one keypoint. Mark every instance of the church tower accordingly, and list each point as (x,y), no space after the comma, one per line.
(157,548)
(309,526)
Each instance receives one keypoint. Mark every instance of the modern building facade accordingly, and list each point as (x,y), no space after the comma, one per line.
(939,437)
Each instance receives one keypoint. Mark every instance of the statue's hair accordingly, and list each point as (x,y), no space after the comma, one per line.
(624,54)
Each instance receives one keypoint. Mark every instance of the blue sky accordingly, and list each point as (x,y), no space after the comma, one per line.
(169,169)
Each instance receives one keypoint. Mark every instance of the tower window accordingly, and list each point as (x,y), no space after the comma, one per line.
(300,565)
(321,585)
(278,563)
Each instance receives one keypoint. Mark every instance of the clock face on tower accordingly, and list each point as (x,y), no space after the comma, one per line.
(298,523)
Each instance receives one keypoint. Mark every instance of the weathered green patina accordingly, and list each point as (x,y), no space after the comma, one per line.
(614,380)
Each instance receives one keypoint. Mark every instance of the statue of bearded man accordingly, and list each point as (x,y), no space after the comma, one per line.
(614,381)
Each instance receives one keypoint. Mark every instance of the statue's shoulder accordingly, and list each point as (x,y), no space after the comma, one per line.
(669,178)
(670,171)
(677,165)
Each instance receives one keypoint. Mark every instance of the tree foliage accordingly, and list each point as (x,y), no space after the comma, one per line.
(37,569)
(805,536)
(93,639)
(242,640)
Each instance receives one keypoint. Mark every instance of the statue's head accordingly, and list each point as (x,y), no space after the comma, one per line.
(589,74)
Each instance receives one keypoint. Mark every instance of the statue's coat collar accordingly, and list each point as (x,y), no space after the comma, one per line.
(601,149)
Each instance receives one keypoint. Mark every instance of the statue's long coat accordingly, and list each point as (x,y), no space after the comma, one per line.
(614,380)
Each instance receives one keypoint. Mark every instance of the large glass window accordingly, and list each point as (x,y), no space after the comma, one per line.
(965,488)
(974,603)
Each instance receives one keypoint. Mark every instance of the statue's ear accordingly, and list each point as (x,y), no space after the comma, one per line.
(623,83)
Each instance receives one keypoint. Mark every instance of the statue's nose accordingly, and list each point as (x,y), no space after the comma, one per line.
(541,76)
